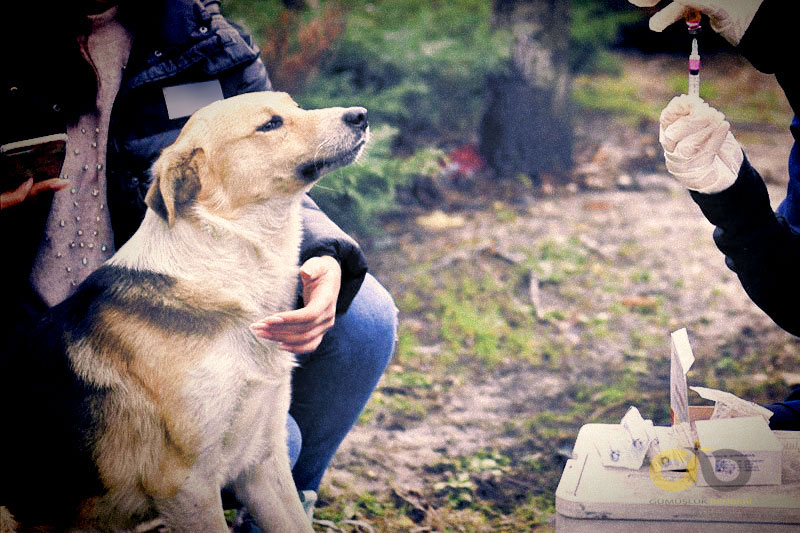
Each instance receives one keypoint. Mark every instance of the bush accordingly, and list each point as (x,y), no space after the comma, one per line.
(354,196)
(417,65)
(595,28)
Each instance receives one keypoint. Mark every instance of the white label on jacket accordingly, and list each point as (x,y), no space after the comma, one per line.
(183,100)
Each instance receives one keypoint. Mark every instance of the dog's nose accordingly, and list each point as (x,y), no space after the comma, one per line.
(356,117)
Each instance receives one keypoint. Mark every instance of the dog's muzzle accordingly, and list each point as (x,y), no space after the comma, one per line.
(313,170)
(357,119)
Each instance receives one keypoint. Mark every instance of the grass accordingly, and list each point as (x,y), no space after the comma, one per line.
(614,95)
(481,326)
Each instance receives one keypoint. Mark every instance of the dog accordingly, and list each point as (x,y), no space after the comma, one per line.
(145,393)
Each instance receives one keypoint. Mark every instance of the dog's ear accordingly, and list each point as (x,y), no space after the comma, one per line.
(176,181)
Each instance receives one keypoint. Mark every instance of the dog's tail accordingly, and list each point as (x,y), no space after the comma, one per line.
(7,522)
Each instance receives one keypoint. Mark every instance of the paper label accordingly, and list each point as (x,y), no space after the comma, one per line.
(626,446)
(674,450)
(183,100)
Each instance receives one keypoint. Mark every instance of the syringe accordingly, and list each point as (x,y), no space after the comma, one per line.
(694,70)
(693,25)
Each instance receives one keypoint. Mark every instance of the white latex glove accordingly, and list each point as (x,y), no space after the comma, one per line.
(729,18)
(699,149)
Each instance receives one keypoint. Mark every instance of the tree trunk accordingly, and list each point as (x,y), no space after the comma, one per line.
(527,122)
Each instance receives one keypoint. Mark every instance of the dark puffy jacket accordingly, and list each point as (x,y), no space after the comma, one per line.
(761,246)
(176,42)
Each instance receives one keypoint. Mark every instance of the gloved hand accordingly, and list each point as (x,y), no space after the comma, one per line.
(729,18)
(699,149)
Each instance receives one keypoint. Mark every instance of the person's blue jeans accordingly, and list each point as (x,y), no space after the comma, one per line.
(332,384)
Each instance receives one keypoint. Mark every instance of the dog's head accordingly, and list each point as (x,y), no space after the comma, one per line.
(251,148)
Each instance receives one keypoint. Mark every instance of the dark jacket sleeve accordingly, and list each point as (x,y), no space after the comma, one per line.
(770,44)
(322,237)
(758,245)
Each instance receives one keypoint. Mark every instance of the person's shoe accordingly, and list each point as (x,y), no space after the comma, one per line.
(309,500)
(244,523)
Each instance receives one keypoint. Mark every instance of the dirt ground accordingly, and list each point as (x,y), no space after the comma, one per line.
(590,282)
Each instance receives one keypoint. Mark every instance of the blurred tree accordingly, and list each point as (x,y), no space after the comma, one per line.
(526,127)
(299,42)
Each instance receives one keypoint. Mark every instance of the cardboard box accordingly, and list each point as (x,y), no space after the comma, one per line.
(700,412)
(593,498)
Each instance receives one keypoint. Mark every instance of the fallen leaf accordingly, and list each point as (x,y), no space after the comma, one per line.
(439,220)
(636,301)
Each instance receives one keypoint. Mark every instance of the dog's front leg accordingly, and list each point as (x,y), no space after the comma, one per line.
(268,492)
(197,506)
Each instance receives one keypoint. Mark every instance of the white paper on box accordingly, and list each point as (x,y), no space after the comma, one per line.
(738,451)
(681,360)
(682,434)
(640,431)
(626,445)
(615,450)
(727,405)
(674,448)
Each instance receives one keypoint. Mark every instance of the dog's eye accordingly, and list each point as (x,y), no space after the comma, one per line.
(272,124)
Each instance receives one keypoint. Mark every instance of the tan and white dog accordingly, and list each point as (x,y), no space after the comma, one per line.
(146,393)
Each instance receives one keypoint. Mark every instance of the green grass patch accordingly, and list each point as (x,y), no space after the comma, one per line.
(616,95)
(679,84)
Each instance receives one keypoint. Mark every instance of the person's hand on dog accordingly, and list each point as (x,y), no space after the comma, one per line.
(29,189)
(301,330)
(729,18)
(699,149)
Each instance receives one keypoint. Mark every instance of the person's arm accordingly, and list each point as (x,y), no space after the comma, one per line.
(321,237)
(702,154)
(333,269)
(759,247)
